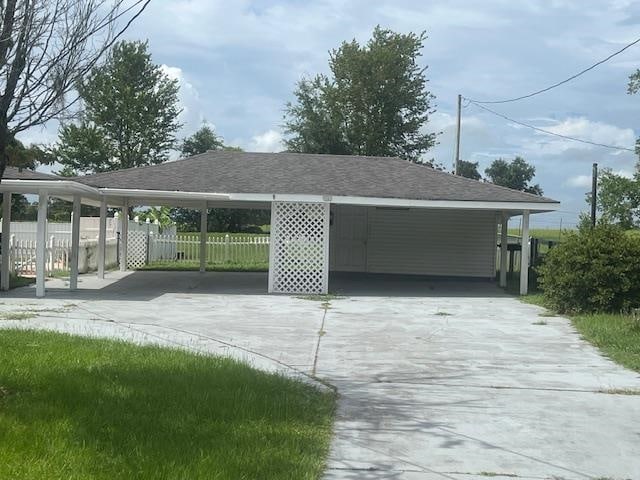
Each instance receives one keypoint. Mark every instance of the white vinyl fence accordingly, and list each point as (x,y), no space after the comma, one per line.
(23,256)
(146,245)
(230,248)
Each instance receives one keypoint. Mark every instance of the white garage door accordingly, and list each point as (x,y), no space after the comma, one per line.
(414,241)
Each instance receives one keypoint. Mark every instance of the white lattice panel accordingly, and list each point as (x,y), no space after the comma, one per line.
(136,249)
(299,260)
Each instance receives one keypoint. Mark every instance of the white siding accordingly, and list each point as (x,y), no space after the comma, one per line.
(430,242)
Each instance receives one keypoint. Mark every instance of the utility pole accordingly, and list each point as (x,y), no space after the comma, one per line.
(594,193)
(456,167)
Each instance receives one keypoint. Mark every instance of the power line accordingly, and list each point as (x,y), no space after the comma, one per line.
(566,137)
(572,77)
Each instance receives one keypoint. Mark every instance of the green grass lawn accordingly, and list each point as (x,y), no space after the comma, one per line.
(17,281)
(187,266)
(79,408)
(616,335)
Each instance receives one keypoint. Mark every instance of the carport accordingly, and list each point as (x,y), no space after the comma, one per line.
(328,212)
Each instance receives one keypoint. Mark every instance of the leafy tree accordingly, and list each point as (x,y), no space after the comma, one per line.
(469,170)
(202,141)
(160,214)
(618,199)
(130,114)
(45,48)
(632,88)
(375,101)
(221,219)
(21,209)
(516,175)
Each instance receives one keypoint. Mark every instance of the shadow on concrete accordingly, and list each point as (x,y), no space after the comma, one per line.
(147,285)
(390,285)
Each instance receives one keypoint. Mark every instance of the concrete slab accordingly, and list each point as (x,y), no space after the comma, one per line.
(451,380)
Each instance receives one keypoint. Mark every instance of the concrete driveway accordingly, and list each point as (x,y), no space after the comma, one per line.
(456,380)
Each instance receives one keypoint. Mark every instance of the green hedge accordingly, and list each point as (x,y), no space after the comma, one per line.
(593,270)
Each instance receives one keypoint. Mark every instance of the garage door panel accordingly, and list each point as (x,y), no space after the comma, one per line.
(432,242)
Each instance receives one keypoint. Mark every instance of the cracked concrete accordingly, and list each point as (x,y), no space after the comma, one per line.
(481,391)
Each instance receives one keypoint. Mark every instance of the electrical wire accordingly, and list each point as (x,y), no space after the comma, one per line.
(548,132)
(566,80)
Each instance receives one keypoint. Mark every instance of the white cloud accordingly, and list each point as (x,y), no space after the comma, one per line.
(577,127)
(191,115)
(269,141)
(579,181)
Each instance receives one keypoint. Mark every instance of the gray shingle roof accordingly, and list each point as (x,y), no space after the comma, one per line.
(292,173)
(13,173)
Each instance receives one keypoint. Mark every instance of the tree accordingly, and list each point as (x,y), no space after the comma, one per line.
(202,141)
(469,170)
(618,199)
(130,114)
(515,175)
(222,219)
(46,47)
(374,103)
(632,88)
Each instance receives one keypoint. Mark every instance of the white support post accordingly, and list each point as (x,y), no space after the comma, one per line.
(5,273)
(272,253)
(327,226)
(203,238)
(124,236)
(75,241)
(102,237)
(41,243)
(504,249)
(524,255)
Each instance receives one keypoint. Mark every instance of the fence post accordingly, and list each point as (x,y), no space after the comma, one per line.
(226,248)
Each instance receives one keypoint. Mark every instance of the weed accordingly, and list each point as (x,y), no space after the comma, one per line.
(620,391)
(25,315)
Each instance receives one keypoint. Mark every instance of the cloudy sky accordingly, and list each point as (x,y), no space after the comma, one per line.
(238,62)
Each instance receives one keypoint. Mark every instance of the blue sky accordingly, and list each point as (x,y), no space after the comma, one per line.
(238,62)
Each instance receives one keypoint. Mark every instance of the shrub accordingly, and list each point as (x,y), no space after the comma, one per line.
(593,270)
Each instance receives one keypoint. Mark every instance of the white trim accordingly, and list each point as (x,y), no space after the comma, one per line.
(51,186)
(168,194)
(537,207)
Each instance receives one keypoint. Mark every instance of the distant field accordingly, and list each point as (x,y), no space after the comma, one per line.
(556,233)
(546,233)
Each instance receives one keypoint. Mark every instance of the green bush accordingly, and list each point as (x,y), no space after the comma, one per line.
(593,270)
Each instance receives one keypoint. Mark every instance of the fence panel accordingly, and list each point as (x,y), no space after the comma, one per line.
(23,256)
(229,249)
